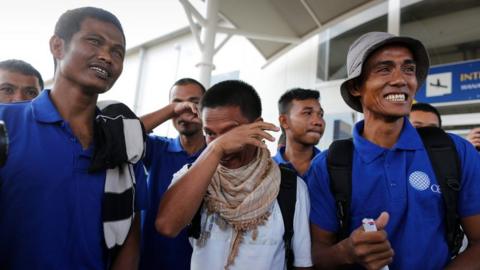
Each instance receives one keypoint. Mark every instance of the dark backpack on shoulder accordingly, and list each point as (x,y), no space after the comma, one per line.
(445,163)
(286,198)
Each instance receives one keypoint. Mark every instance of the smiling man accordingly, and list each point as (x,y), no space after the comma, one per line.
(301,118)
(54,207)
(19,81)
(391,176)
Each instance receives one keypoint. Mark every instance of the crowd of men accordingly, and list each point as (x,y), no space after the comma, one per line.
(86,187)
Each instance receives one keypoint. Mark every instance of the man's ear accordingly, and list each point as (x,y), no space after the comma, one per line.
(354,89)
(282,119)
(57,47)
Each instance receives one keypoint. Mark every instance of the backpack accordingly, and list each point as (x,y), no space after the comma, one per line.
(445,163)
(286,198)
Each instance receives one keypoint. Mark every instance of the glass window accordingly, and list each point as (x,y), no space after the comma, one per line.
(332,53)
(449,29)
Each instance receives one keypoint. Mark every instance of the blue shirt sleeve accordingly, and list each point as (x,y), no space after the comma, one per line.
(154,145)
(147,159)
(469,197)
(323,209)
(141,193)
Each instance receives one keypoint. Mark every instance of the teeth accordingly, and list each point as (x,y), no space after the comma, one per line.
(102,72)
(396,97)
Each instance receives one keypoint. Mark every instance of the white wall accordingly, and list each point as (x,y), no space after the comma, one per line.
(174,59)
(124,89)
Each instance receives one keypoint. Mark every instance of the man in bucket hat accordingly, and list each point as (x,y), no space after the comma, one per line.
(392,178)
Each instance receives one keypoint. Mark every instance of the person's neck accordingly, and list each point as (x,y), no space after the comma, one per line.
(76,108)
(193,143)
(248,154)
(299,155)
(383,132)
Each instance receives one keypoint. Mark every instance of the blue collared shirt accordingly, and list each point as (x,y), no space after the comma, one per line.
(164,157)
(400,181)
(278,158)
(50,215)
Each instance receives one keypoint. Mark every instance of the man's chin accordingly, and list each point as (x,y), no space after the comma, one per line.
(313,139)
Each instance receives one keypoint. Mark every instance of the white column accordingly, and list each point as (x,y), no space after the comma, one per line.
(394,9)
(208,51)
(138,84)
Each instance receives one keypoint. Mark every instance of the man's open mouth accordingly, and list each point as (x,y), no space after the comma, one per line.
(396,97)
(101,72)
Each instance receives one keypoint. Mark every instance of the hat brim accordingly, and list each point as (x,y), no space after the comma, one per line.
(420,56)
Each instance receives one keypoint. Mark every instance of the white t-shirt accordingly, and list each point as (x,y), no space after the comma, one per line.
(267,251)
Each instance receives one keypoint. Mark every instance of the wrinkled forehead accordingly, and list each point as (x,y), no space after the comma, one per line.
(222,115)
(18,78)
(106,29)
(389,50)
(185,91)
(301,103)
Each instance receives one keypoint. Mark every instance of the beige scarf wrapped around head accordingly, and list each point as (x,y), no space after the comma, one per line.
(243,197)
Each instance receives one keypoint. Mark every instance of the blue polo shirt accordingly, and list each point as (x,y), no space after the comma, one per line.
(400,181)
(50,206)
(278,158)
(164,157)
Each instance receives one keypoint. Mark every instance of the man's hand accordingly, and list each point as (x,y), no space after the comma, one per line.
(372,250)
(474,137)
(250,134)
(187,111)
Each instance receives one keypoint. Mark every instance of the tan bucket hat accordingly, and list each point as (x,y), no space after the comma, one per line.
(365,45)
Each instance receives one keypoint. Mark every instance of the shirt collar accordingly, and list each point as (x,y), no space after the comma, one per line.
(281,153)
(368,151)
(44,110)
(279,156)
(176,146)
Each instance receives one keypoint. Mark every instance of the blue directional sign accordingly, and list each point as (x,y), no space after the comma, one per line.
(451,82)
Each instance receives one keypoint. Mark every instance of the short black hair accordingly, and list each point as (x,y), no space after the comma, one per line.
(285,101)
(70,22)
(234,93)
(186,81)
(425,107)
(22,67)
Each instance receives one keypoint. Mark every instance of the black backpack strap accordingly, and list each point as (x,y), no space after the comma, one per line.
(193,229)
(339,164)
(287,198)
(446,165)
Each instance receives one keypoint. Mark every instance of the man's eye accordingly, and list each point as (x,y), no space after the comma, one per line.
(32,93)
(118,54)
(93,41)
(384,69)
(7,90)
(410,69)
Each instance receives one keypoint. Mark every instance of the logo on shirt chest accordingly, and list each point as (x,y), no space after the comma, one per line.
(420,181)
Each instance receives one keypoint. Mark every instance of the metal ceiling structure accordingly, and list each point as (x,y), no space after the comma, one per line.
(272,26)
